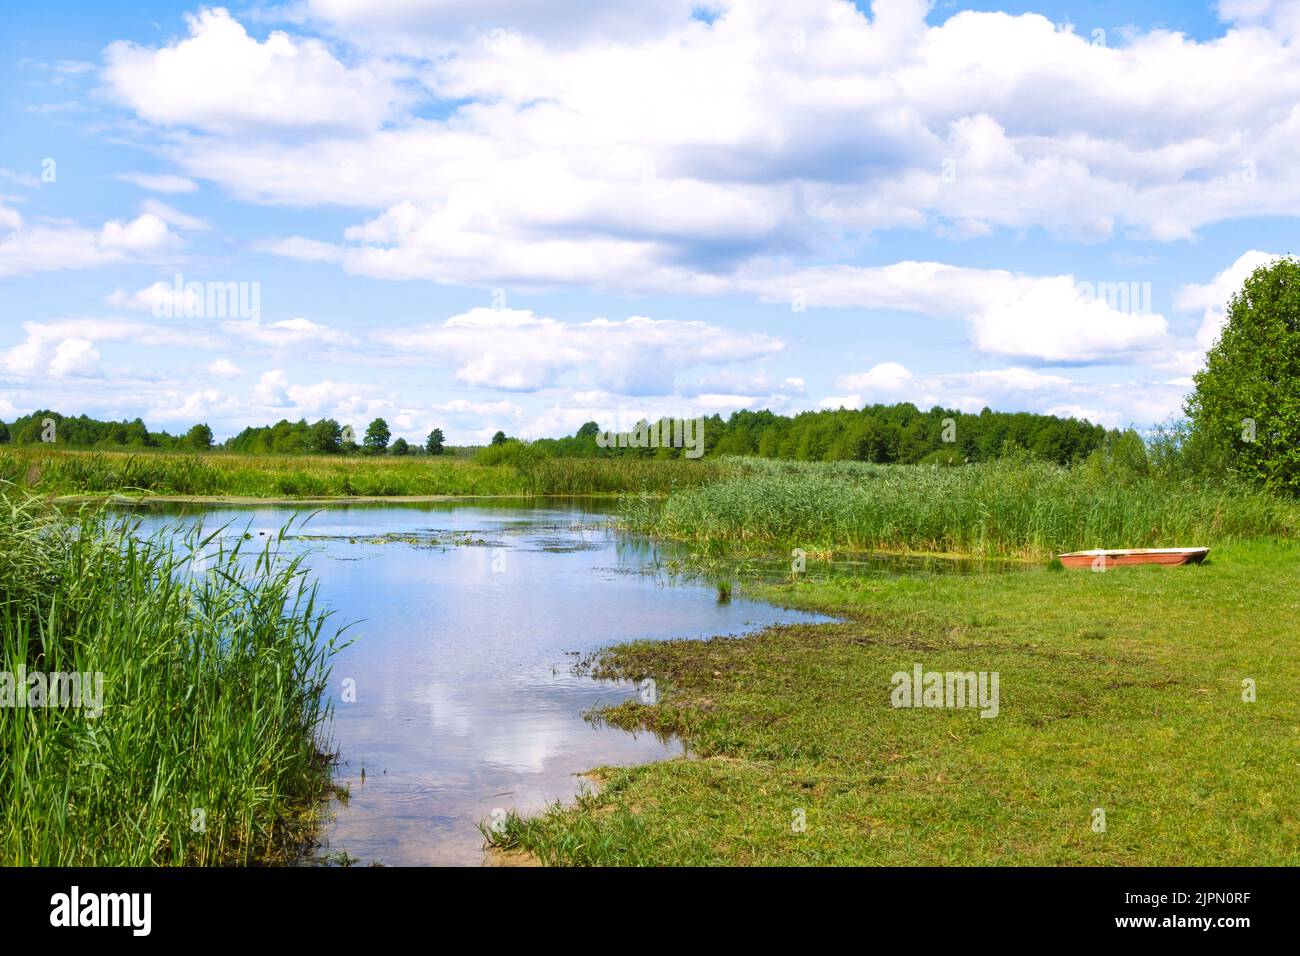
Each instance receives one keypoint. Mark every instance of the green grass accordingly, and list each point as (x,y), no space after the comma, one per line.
(1008,507)
(209,747)
(1120,691)
(61,472)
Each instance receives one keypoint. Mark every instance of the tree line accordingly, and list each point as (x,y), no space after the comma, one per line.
(877,433)
(886,434)
(324,437)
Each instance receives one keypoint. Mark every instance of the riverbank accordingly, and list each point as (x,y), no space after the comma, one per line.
(1121,736)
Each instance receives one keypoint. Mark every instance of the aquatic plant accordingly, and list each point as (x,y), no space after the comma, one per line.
(206,741)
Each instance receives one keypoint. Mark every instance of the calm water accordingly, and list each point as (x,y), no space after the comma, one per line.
(471,616)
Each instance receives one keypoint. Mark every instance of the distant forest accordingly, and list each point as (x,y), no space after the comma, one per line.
(878,433)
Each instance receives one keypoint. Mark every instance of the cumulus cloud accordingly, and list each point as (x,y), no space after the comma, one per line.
(514,349)
(286,333)
(1056,319)
(1213,297)
(44,246)
(1010,389)
(637,146)
(67,348)
(278,83)
(224,368)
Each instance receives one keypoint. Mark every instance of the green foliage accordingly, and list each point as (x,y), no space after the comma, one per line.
(213,696)
(883,434)
(198,438)
(1013,506)
(519,471)
(1245,410)
(85,432)
(434,444)
(499,438)
(325,437)
(400,447)
(377,435)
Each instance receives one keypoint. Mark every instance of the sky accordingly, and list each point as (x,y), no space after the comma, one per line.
(480,214)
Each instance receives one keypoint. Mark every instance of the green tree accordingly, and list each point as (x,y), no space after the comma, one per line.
(434,443)
(400,447)
(499,438)
(199,437)
(377,435)
(325,437)
(1245,409)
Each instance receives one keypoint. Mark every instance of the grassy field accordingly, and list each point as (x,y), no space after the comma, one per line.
(268,476)
(1021,508)
(203,744)
(1120,692)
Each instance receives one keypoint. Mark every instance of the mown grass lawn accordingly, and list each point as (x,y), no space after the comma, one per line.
(1120,691)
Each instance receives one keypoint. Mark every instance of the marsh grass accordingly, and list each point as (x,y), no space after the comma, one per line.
(306,476)
(211,747)
(1009,507)
(1121,691)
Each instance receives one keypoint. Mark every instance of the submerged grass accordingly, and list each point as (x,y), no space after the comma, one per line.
(1122,692)
(306,476)
(209,748)
(1008,507)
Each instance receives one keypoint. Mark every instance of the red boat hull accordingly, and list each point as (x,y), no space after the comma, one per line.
(1103,559)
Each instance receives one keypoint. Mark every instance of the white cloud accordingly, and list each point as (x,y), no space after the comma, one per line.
(640,148)
(304,250)
(160,182)
(1010,389)
(173,216)
(275,394)
(220,78)
(74,357)
(886,378)
(54,245)
(1213,297)
(421,25)
(515,349)
(1057,319)
(66,348)
(161,298)
(224,368)
(286,333)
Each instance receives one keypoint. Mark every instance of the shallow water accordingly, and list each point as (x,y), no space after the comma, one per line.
(471,617)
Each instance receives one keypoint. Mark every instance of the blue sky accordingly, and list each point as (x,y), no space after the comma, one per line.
(480,216)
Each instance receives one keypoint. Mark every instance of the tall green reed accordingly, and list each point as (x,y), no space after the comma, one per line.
(1009,507)
(211,747)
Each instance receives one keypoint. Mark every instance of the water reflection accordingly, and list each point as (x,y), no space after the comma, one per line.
(471,616)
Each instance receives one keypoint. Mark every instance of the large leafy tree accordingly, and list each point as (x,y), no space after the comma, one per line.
(199,437)
(1245,410)
(377,435)
(434,443)
(325,437)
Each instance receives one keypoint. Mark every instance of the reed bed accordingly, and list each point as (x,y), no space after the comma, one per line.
(210,744)
(268,476)
(1009,508)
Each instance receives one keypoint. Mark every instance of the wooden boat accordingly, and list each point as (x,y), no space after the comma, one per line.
(1102,558)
